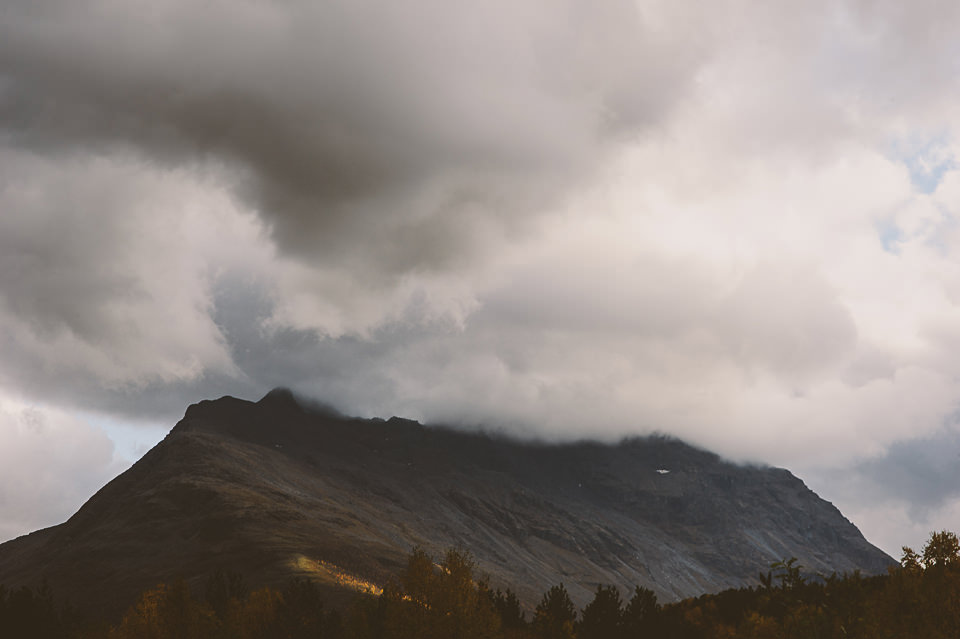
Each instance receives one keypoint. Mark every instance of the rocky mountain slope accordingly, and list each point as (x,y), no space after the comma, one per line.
(272,489)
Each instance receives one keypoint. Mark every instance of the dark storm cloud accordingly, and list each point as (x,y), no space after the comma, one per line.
(103,274)
(923,474)
(408,128)
(901,495)
(566,219)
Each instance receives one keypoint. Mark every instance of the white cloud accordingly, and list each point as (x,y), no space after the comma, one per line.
(107,268)
(736,223)
(50,463)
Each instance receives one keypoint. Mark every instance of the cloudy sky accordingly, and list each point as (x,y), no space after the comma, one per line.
(734,222)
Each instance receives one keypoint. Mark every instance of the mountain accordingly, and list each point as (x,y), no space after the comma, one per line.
(276,489)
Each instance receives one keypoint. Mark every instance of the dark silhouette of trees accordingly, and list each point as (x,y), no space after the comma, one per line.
(942,550)
(430,600)
(641,614)
(225,590)
(507,605)
(301,613)
(788,573)
(25,612)
(555,615)
(601,618)
(910,560)
(437,600)
(167,612)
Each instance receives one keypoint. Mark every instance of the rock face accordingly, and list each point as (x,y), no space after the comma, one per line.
(272,489)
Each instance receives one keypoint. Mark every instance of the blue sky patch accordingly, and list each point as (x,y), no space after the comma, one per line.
(890,235)
(927,160)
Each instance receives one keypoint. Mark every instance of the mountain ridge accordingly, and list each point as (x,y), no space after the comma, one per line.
(282,487)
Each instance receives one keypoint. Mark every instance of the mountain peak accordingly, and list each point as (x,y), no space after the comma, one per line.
(280,398)
(281,488)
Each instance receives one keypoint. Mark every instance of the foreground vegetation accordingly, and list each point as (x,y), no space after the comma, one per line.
(918,598)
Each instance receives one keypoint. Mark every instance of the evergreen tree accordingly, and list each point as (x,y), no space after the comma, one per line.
(301,614)
(224,589)
(600,619)
(641,614)
(508,607)
(555,615)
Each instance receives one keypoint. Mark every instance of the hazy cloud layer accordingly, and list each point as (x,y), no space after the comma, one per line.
(414,131)
(734,223)
(50,462)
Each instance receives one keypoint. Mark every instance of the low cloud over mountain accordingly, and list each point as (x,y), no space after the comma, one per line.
(735,224)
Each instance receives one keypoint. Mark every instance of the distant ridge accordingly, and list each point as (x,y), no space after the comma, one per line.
(282,487)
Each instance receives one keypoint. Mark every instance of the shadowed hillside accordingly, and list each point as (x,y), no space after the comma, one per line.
(274,490)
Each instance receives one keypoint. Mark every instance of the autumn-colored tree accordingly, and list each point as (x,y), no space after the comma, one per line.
(942,549)
(419,579)
(918,598)
(757,626)
(143,619)
(910,560)
(167,612)
(258,614)
(439,600)
(456,598)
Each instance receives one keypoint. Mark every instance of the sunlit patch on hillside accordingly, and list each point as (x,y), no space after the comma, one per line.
(326,572)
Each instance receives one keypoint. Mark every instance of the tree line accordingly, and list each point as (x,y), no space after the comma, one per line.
(447,599)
